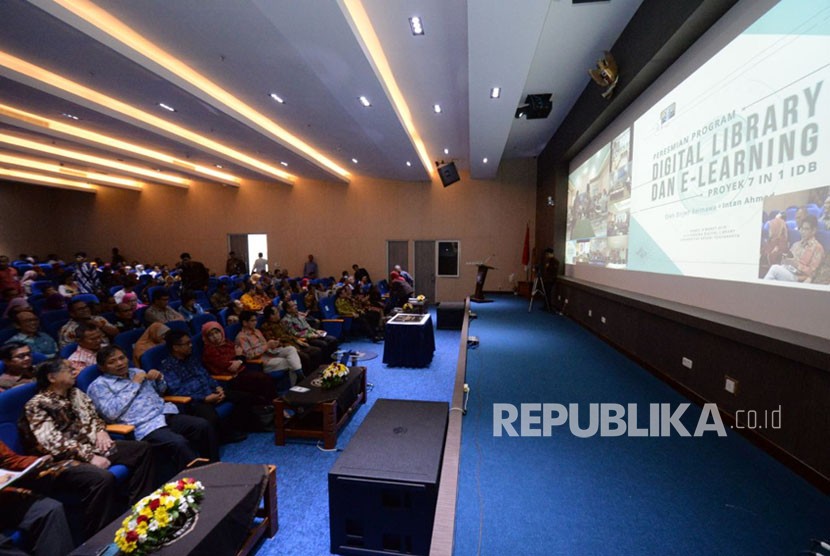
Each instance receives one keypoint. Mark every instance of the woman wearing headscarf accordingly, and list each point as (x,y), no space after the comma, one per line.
(152,337)
(221,357)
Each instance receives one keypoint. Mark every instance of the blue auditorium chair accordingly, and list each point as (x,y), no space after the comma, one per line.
(126,340)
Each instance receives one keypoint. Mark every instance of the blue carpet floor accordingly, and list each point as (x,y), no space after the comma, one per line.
(629,496)
(302,468)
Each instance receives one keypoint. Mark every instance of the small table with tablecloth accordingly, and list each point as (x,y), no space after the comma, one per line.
(409,341)
(225,526)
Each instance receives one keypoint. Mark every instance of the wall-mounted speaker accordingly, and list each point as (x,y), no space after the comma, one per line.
(448,173)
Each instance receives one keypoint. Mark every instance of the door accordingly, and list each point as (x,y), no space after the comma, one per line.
(238,243)
(424,269)
(397,252)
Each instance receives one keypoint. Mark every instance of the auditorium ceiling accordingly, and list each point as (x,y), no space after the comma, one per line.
(276,90)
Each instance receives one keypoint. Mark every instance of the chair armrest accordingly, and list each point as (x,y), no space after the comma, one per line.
(222,378)
(177,399)
(331,320)
(120,429)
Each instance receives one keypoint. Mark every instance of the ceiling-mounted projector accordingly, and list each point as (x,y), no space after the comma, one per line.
(535,107)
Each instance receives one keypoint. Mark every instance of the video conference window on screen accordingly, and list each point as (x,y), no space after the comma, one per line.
(728,175)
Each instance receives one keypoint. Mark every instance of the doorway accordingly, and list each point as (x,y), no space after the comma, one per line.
(245,245)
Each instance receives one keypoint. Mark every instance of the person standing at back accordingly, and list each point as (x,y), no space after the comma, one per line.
(260,265)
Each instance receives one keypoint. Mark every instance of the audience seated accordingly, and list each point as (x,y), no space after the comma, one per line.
(223,358)
(133,397)
(189,308)
(296,324)
(61,421)
(69,287)
(16,305)
(42,520)
(159,311)
(17,359)
(29,333)
(153,336)
(272,328)
(276,358)
(220,298)
(80,312)
(366,322)
(125,318)
(90,339)
(255,300)
(186,376)
(9,279)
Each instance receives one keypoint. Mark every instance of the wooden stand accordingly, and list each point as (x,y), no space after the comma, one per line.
(481,277)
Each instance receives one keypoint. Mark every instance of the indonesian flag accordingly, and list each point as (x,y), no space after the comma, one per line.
(526,248)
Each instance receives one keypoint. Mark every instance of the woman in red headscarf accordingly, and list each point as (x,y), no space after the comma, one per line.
(222,358)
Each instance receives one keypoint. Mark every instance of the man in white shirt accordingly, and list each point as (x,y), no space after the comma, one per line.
(260,265)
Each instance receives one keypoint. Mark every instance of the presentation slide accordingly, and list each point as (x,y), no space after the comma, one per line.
(727,176)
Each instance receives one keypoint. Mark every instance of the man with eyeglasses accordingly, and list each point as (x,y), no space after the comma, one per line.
(125,318)
(17,358)
(186,376)
(804,258)
(30,334)
(62,422)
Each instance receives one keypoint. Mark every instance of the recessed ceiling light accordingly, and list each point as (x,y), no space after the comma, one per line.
(219,166)
(167,107)
(284,163)
(354,160)
(495,92)
(416,25)
(277,97)
(436,108)
(364,101)
(446,151)
(484,160)
(408,163)
(70,116)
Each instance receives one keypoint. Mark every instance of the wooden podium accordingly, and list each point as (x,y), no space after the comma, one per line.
(481,276)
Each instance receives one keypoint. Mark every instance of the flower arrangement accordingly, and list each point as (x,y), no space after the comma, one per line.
(407,308)
(334,375)
(421,298)
(160,517)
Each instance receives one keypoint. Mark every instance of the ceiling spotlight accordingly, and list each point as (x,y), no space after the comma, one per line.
(70,116)
(408,163)
(354,160)
(277,98)
(284,163)
(484,160)
(446,151)
(167,107)
(219,166)
(364,101)
(495,92)
(436,108)
(416,25)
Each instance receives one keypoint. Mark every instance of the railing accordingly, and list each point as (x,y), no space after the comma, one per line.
(443,528)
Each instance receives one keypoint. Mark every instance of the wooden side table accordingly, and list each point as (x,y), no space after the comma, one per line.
(319,413)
